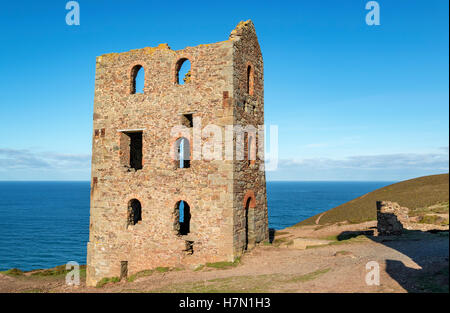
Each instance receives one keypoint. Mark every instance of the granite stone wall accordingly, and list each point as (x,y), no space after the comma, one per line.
(226,197)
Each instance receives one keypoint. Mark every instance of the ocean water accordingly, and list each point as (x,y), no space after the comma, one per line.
(44,224)
(292,202)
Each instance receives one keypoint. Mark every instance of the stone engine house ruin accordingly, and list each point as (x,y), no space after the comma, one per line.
(149,209)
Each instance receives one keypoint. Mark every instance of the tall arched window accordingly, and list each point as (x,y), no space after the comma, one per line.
(248,219)
(183,71)
(182,153)
(250,148)
(137,79)
(251,152)
(182,218)
(250,80)
(134,212)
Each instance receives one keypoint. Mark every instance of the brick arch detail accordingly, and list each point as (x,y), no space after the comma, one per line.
(175,68)
(174,201)
(130,74)
(174,139)
(141,200)
(247,148)
(250,194)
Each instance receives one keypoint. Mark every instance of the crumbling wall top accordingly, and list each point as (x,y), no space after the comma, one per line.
(147,50)
(241,28)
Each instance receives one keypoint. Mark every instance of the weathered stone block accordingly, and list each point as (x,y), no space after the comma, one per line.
(392,219)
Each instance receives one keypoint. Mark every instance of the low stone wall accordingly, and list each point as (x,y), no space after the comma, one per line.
(392,218)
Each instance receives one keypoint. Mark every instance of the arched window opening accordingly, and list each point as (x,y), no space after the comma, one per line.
(251,152)
(183,71)
(248,220)
(182,218)
(182,153)
(250,80)
(250,148)
(134,212)
(137,79)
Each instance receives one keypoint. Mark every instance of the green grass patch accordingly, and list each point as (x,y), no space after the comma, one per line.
(13,272)
(309,276)
(107,280)
(162,269)
(242,284)
(58,271)
(283,240)
(140,274)
(224,264)
(237,284)
(145,273)
(332,237)
(433,219)
(440,208)
(342,252)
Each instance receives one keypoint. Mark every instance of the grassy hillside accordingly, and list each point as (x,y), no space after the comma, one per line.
(415,193)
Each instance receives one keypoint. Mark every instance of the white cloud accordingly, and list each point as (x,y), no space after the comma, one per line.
(26,164)
(23,159)
(384,161)
(363,167)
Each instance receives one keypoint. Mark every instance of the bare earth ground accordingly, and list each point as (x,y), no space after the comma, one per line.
(414,262)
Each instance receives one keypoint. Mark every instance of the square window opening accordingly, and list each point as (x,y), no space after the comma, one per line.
(131,149)
(187,120)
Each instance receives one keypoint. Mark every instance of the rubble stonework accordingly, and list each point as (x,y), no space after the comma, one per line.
(227,198)
(392,218)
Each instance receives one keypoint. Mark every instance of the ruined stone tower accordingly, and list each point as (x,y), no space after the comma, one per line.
(157,198)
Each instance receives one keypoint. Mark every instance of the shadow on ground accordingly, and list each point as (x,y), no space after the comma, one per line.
(271,234)
(428,249)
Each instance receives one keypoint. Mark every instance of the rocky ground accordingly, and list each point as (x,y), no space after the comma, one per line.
(417,261)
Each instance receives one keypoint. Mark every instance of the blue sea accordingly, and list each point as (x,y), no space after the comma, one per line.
(44,224)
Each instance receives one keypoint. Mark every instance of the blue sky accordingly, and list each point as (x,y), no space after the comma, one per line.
(352,101)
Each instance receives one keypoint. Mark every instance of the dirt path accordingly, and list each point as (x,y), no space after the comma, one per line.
(318,218)
(405,264)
